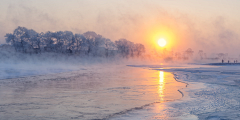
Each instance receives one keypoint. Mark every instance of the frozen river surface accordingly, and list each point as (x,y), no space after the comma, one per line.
(123,92)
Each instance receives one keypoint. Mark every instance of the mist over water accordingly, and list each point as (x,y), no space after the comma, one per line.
(101,59)
(212,35)
(92,93)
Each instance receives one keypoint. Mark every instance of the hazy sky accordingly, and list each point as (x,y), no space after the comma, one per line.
(211,25)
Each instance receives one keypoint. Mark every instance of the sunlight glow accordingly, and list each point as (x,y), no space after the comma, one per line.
(162,42)
(161,85)
(157,31)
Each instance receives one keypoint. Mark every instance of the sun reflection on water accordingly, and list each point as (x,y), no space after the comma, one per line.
(161,86)
(167,90)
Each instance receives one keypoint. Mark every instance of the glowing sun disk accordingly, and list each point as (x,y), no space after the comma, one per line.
(162,42)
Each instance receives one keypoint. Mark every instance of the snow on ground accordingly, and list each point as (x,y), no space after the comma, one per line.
(212,94)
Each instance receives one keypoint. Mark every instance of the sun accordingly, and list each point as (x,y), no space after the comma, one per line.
(162,42)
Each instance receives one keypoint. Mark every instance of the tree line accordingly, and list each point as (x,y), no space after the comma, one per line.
(29,41)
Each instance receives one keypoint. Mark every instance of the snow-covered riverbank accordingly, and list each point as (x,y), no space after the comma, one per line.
(212,93)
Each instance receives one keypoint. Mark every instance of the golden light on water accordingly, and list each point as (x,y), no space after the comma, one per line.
(167,90)
(161,85)
(161,77)
(167,86)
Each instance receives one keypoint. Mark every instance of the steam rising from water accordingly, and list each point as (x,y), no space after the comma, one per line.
(211,35)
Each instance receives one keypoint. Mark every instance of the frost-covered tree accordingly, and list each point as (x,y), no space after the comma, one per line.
(90,43)
(125,47)
(94,42)
(110,47)
(201,54)
(48,41)
(129,49)
(10,38)
(20,39)
(58,41)
(188,53)
(140,49)
(79,41)
(69,41)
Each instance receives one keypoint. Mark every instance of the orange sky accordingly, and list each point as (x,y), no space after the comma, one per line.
(207,25)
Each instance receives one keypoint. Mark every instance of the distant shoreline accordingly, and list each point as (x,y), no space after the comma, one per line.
(222,64)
